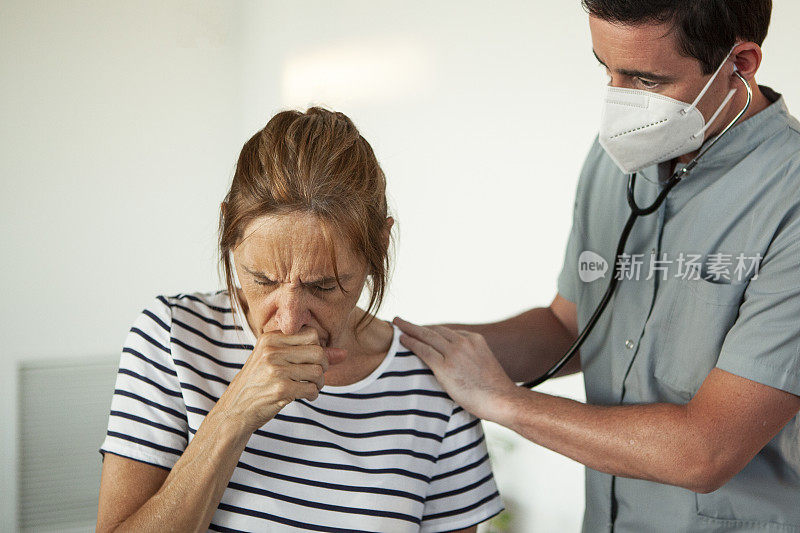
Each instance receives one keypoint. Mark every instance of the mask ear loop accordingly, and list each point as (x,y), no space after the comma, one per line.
(710,82)
(714,117)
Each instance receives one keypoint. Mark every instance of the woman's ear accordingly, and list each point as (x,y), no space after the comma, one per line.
(387,231)
(747,58)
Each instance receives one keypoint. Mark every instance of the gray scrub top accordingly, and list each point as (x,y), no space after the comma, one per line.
(712,279)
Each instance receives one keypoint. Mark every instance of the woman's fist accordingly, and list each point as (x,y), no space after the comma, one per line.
(281,369)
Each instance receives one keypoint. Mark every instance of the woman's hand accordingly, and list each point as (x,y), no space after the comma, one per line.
(463,364)
(281,369)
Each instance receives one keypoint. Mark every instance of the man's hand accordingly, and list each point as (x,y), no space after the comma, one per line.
(463,364)
(527,344)
(699,445)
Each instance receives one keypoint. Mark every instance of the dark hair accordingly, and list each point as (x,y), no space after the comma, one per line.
(706,29)
(318,163)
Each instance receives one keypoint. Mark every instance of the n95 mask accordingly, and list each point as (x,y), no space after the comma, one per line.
(639,128)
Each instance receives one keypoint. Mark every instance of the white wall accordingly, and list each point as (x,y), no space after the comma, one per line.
(119,130)
(121,123)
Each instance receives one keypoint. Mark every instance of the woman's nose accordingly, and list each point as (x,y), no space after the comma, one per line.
(292,314)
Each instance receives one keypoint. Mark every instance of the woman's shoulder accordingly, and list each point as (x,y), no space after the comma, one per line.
(407,371)
(199,318)
(210,307)
(209,301)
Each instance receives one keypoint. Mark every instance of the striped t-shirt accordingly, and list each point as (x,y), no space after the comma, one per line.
(390,453)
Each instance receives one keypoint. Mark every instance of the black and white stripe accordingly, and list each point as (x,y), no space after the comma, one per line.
(392,452)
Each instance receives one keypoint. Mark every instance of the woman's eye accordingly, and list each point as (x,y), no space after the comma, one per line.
(324,289)
(315,288)
(647,84)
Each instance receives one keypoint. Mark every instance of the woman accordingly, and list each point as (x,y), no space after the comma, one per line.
(309,415)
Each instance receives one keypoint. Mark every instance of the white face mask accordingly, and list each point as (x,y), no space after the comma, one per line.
(639,128)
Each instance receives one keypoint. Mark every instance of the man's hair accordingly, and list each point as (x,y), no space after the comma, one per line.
(706,29)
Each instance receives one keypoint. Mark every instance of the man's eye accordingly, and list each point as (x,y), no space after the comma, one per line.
(265,282)
(647,84)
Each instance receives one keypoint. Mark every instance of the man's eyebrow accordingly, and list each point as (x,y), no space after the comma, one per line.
(651,76)
(319,281)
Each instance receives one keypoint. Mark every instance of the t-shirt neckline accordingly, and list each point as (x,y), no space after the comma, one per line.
(369,379)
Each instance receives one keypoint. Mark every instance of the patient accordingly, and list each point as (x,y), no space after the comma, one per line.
(277,403)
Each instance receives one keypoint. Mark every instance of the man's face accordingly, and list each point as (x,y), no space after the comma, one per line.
(647,57)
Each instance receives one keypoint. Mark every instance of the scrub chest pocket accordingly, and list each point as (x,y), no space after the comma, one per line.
(702,312)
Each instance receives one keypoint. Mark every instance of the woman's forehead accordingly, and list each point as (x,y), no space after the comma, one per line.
(292,243)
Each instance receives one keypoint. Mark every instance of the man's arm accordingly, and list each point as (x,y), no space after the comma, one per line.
(698,446)
(528,344)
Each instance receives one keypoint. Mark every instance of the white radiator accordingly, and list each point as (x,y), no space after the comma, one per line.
(62,418)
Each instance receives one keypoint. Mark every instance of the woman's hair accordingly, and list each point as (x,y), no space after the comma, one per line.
(312,163)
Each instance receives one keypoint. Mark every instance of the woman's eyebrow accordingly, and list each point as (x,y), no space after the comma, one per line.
(256,274)
(323,281)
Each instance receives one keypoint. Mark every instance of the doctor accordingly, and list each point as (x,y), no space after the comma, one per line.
(692,374)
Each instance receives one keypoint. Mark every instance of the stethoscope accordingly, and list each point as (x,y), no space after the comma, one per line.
(636,212)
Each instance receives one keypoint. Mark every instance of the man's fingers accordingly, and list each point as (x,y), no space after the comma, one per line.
(429,356)
(422,333)
(449,334)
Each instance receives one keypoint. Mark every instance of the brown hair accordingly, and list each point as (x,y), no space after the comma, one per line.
(318,163)
(706,29)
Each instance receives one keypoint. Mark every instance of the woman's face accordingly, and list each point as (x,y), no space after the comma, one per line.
(284,267)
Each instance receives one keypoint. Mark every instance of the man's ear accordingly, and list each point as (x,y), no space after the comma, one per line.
(747,58)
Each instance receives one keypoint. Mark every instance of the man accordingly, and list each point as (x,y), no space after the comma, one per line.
(692,374)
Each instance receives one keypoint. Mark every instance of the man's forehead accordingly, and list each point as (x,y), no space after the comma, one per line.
(647,46)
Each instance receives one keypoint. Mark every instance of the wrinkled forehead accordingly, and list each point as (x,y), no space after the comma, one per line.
(648,47)
(295,244)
